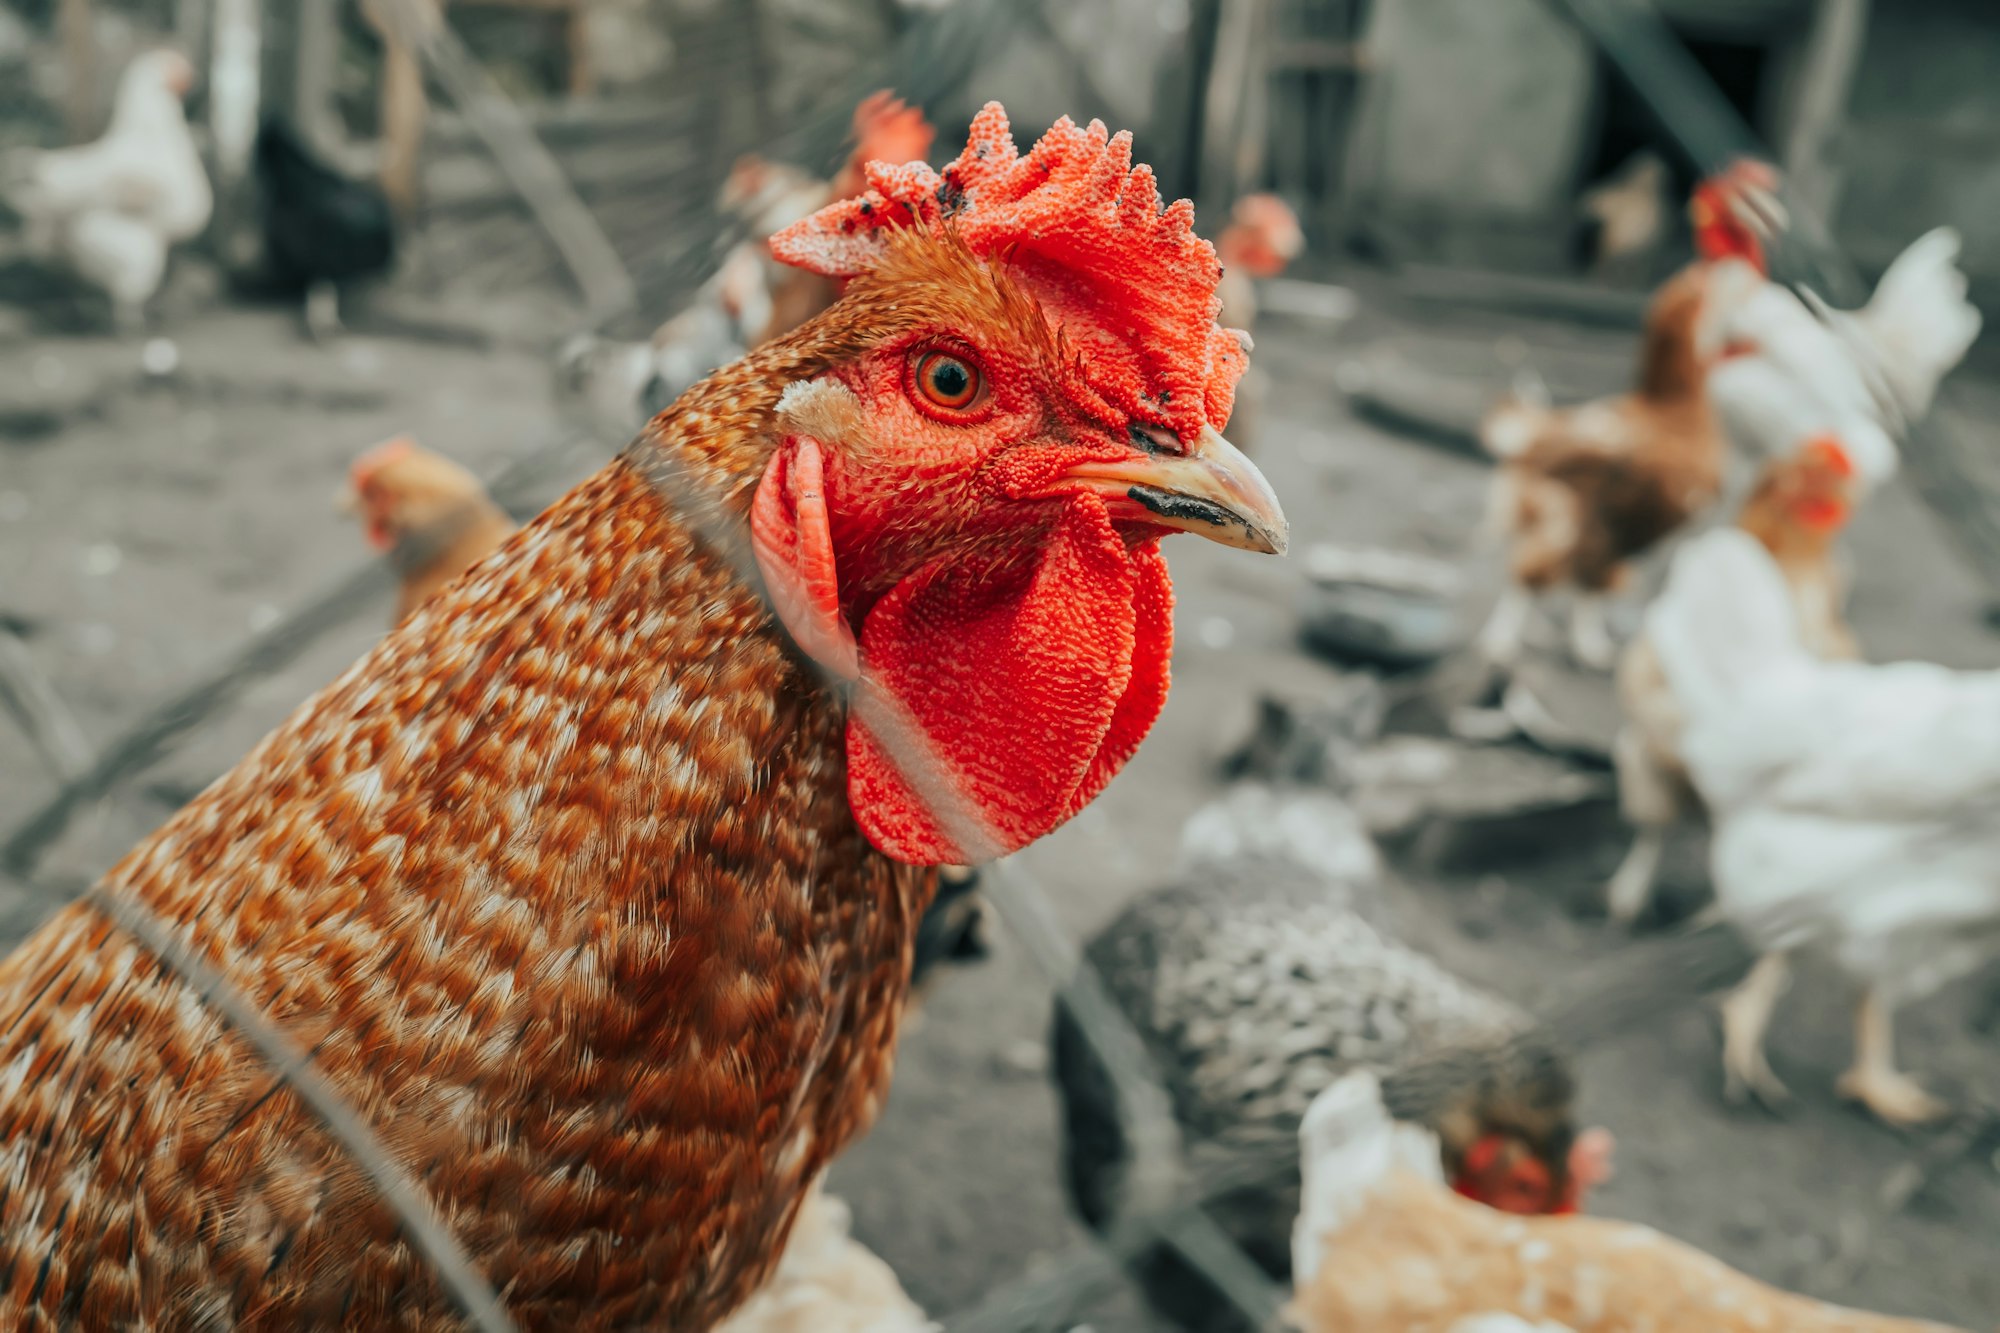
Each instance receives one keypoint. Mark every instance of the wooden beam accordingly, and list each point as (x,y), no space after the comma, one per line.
(1832,52)
(1319,53)
(75,23)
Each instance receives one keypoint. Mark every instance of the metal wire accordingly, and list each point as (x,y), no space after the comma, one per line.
(411,1204)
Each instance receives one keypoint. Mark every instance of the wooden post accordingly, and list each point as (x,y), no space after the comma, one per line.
(404,108)
(316,55)
(1232,115)
(74,22)
(1832,51)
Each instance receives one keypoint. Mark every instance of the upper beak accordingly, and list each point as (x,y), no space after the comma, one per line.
(1212,491)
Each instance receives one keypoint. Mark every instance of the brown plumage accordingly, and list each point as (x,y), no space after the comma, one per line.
(565,886)
(1583,490)
(1383,1245)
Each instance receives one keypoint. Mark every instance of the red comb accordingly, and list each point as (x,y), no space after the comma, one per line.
(1130,282)
(383,454)
(1829,451)
(885,130)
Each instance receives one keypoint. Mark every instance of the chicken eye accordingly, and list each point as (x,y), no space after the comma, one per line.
(947,381)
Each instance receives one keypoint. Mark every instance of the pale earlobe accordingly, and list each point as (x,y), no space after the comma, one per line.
(793,541)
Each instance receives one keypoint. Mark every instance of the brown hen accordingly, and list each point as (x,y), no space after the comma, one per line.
(593,887)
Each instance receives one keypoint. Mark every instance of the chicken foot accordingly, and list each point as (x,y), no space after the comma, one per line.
(1631,887)
(1506,630)
(1746,1015)
(1590,641)
(1873,1080)
(322,311)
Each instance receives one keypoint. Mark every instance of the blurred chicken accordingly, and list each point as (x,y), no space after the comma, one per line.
(1262,237)
(322,230)
(1382,1245)
(1793,367)
(1628,213)
(752,298)
(1798,511)
(828,1282)
(1264,971)
(1581,491)
(432,516)
(1852,807)
(113,209)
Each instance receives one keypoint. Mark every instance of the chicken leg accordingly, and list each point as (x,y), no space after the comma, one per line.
(322,311)
(1506,631)
(1590,641)
(1631,888)
(1746,1015)
(1874,1081)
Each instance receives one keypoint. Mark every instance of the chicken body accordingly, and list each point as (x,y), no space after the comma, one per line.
(1848,804)
(1793,370)
(587,888)
(321,229)
(1629,212)
(1382,1244)
(1582,491)
(1797,513)
(113,209)
(828,1282)
(519,921)
(1262,974)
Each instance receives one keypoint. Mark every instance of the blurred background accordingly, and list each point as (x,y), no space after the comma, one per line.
(506,231)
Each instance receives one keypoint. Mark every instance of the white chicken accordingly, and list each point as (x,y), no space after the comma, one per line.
(111,210)
(1794,367)
(1851,803)
(1381,1243)
(828,1282)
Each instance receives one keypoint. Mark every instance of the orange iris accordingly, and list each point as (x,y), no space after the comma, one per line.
(948,381)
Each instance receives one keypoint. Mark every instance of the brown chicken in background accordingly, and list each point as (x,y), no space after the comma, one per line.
(593,887)
(885,130)
(1382,1244)
(1798,510)
(430,515)
(1263,236)
(1582,491)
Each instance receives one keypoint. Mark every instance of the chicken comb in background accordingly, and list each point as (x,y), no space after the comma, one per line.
(1735,211)
(1088,233)
(885,130)
(1262,237)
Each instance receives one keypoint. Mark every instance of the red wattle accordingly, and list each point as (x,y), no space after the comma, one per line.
(1033,681)
(792,537)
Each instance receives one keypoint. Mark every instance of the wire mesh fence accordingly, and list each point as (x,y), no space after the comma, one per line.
(603,219)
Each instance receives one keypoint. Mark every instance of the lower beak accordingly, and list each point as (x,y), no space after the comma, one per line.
(1212,491)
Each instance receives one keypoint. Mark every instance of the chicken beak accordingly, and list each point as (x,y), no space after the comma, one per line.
(1212,491)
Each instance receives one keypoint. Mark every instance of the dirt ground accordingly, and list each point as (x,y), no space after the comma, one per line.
(146,527)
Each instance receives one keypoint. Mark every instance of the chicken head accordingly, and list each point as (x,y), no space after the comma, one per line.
(1504,1171)
(963,511)
(1735,211)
